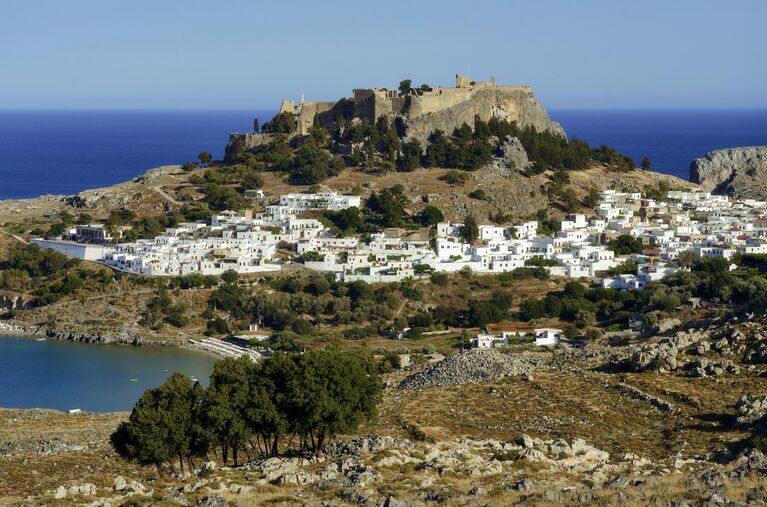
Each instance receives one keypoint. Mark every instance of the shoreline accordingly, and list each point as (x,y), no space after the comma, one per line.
(17,331)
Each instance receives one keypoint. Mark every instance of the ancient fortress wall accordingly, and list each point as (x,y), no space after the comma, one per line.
(307,111)
(437,100)
(509,103)
(424,111)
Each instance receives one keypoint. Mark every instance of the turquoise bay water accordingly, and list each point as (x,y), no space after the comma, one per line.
(95,378)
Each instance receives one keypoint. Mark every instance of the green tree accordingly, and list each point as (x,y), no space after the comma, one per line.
(404,86)
(646,163)
(318,133)
(160,428)
(282,123)
(478,194)
(387,206)
(625,244)
(255,125)
(591,200)
(312,164)
(230,277)
(532,308)
(430,216)
(335,391)
(205,157)
(224,405)
(575,290)
(470,229)
(411,158)
(267,410)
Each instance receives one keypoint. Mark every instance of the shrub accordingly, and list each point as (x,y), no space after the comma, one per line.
(478,194)
(441,279)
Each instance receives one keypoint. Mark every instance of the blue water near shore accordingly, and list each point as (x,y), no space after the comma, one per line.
(672,139)
(64,152)
(95,378)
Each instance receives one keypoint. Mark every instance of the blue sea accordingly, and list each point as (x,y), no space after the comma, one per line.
(64,152)
(671,139)
(98,378)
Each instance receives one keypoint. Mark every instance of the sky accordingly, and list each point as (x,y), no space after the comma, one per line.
(197,54)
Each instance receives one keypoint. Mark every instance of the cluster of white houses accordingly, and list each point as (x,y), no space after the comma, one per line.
(696,221)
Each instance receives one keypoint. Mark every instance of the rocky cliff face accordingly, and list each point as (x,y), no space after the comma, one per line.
(739,172)
(513,105)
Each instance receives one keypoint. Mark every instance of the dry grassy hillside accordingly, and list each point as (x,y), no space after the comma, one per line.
(168,187)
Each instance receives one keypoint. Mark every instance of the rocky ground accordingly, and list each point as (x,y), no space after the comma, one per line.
(472,366)
(663,421)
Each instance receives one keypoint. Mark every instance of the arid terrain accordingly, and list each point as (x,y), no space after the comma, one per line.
(572,428)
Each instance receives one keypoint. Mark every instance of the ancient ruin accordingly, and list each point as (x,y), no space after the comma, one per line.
(422,110)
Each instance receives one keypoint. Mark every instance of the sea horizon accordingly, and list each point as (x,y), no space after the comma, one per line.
(65,151)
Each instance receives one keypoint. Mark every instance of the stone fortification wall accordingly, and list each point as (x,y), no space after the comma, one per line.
(510,103)
(246,140)
(426,111)
(249,139)
(306,113)
(287,106)
(437,100)
(466,82)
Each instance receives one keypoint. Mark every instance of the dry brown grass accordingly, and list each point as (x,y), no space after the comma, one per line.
(569,405)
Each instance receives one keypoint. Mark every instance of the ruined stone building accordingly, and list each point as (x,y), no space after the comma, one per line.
(424,111)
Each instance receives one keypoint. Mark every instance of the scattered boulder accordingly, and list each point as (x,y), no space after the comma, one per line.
(286,471)
(524,485)
(751,408)
(60,492)
(212,501)
(119,484)
(207,468)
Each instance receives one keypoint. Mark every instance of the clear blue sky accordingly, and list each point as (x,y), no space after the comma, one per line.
(250,54)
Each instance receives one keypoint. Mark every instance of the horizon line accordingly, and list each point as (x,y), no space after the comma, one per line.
(265,109)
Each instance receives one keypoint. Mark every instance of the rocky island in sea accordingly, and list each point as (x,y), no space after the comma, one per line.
(421,295)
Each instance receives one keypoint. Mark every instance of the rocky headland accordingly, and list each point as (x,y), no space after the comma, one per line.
(737,172)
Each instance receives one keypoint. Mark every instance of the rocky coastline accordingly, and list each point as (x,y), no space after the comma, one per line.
(12,328)
(737,172)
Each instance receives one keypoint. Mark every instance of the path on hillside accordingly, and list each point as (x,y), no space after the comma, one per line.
(158,189)
(17,238)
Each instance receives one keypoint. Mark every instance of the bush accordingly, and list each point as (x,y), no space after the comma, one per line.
(441,279)
(625,244)
(478,194)
(454,177)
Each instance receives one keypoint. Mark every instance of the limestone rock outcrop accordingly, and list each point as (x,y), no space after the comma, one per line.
(512,104)
(513,154)
(737,172)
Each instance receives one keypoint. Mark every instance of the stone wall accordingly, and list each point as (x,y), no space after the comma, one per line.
(510,103)
(425,111)
(306,113)
(247,140)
